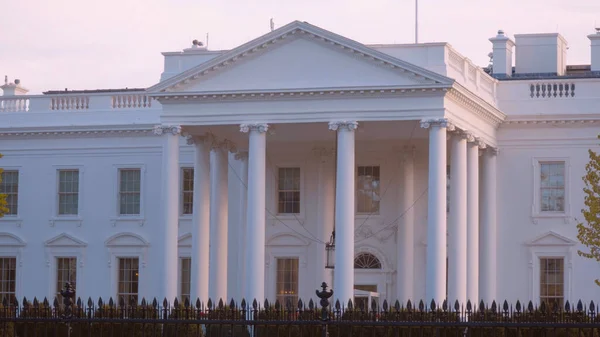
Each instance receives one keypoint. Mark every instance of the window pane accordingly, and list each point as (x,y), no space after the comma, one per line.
(10,187)
(8,278)
(552,281)
(128,280)
(367,189)
(289,190)
(552,187)
(185,279)
(287,281)
(66,271)
(129,191)
(187,191)
(68,192)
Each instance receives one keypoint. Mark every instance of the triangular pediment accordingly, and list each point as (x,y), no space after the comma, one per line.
(551,238)
(300,56)
(65,240)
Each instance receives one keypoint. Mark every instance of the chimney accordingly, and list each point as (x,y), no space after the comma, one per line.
(595,39)
(13,89)
(544,53)
(502,55)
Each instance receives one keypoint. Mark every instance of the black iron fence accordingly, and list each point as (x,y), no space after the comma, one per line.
(99,318)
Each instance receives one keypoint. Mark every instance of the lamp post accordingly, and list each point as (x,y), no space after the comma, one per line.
(330,252)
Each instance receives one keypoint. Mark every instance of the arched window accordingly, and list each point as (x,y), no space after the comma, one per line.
(366,261)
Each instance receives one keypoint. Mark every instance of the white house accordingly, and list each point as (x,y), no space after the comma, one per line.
(227,178)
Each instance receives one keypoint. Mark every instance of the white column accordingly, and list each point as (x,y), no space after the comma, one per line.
(255,212)
(170,204)
(343,283)
(473,222)
(325,211)
(242,157)
(406,232)
(487,245)
(200,220)
(457,227)
(435,269)
(218,222)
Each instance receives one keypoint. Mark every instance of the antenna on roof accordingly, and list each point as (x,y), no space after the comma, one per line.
(206,40)
(416,21)
(272,24)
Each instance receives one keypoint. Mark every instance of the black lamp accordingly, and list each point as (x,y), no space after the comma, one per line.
(330,251)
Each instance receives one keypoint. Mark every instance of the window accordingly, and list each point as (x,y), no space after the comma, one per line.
(8,278)
(366,261)
(10,187)
(287,281)
(129,191)
(66,271)
(552,186)
(289,190)
(128,279)
(185,279)
(187,191)
(552,287)
(367,187)
(68,192)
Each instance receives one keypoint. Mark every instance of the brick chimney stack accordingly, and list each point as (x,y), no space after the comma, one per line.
(502,55)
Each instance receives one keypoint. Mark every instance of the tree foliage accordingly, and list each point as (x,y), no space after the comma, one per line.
(3,205)
(588,231)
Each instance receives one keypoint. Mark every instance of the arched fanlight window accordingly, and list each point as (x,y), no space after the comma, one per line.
(366,261)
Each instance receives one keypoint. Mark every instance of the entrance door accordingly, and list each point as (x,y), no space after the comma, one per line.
(364,295)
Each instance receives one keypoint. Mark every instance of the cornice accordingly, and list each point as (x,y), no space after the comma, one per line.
(483,109)
(308,93)
(290,30)
(551,120)
(5,133)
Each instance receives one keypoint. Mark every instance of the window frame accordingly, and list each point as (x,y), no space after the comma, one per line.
(182,168)
(184,251)
(277,190)
(57,194)
(378,213)
(287,245)
(64,245)
(15,216)
(536,209)
(272,183)
(13,247)
(139,280)
(297,295)
(127,245)
(136,218)
(563,276)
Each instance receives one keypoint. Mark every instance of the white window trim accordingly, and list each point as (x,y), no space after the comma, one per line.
(126,245)
(76,219)
(184,250)
(550,245)
(136,219)
(536,213)
(65,245)
(367,163)
(16,219)
(12,246)
(183,166)
(275,200)
(286,245)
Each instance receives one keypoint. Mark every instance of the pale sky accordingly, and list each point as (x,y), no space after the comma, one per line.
(85,44)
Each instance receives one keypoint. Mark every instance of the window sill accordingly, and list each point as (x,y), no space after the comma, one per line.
(12,220)
(66,219)
(551,215)
(135,219)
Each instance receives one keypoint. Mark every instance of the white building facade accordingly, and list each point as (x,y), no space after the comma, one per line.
(441,179)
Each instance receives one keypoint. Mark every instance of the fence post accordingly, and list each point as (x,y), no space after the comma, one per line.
(324,295)
(68,293)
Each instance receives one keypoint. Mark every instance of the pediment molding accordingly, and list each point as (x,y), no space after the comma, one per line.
(481,108)
(65,240)
(185,240)
(259,45)
(11,240)
(126,240)
(286,239)
(551,238)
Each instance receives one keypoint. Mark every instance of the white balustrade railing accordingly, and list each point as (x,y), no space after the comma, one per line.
(77,102)
(552,90)
(14,104)
(128,101)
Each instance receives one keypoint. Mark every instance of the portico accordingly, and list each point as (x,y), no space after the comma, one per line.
(328,92)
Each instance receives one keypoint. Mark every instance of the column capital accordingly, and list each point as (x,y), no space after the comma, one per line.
(260,127)
(162,129)
(241,155)
(441,122)
(195,139)
(341,125)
